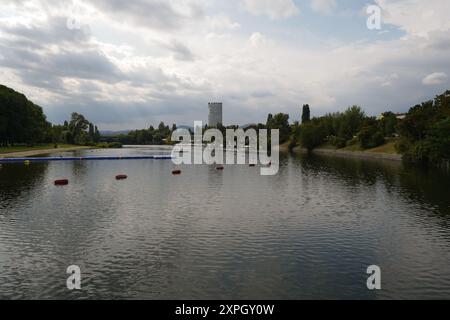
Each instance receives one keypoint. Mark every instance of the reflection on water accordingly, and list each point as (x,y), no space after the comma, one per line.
(309,232)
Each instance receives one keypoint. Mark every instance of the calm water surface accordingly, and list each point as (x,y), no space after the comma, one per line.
(309,232)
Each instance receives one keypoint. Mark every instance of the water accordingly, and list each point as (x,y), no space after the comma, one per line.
(309,232)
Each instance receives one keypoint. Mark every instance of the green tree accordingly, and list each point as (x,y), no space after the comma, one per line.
(312,134)
(351,122)
(281,122)
(424,132)
(78,127)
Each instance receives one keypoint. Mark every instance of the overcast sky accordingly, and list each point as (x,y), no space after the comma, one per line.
(129,64)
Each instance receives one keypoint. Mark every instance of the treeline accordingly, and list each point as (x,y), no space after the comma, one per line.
(423,133)
(23,122)
(151,136)
(78,130)
(346,129)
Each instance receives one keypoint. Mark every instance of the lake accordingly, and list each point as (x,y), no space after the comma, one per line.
(309,232)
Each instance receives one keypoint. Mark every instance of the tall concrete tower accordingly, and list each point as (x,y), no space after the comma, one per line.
(215,114)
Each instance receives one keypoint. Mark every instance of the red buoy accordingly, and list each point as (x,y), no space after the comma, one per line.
(61,182)
(220,168)
(176,172)
(121,177)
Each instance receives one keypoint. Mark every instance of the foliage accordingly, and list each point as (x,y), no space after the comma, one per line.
(150,136)
(425,132)
(370,137)
(312,134)
(337,142)
(281,122)
(21,121)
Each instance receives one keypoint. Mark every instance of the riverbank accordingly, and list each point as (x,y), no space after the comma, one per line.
(38,151)
(353,154)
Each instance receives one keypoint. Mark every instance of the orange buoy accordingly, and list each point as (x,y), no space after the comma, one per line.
(61,182)
(176,172)
(121,177)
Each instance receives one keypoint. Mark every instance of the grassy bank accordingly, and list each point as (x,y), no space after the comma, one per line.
(387,148)
(14,149)
(19,152)
(386,151)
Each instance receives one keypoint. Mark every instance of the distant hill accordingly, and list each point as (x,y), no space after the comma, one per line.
(107,133)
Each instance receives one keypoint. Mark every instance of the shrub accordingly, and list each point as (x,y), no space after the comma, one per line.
(337,142)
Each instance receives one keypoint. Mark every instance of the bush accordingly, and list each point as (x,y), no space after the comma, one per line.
(352,142)
(312,135)
(337,142)
(370,137)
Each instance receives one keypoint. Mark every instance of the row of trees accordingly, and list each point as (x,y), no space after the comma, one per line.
(151,136)
(346,128)
(424,133)
(23,122)
(77,131)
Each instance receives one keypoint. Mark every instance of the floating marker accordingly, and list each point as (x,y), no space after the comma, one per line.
(121,177)
(27,162)
(61,182)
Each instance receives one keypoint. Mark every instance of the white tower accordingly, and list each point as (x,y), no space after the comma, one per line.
(215,114)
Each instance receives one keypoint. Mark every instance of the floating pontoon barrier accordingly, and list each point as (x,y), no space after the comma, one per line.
(176,172)
(220,168)
(252,165)
(121,177)
(47,159)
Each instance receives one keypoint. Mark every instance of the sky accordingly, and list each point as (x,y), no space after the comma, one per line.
(131,64)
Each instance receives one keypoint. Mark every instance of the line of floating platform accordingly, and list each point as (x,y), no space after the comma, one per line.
(48,159)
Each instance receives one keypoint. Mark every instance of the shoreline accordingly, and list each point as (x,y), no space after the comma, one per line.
(352,154)
(32,153)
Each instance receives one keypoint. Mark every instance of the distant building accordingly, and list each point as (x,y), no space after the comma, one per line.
(399,116)
(215,114)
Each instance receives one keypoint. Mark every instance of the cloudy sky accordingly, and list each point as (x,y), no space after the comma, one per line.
(129,64)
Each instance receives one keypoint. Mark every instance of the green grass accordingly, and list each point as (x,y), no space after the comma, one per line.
(354,147)
(386,148)
(5,150)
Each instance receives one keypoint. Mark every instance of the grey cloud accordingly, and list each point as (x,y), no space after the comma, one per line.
(181,51)
(53,32)
(113,114)
(155,14)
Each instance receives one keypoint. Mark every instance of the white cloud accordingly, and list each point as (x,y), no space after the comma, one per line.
(416,17)
(222,22)
(435,78)
(274,9)
(257,39)
(324,6)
